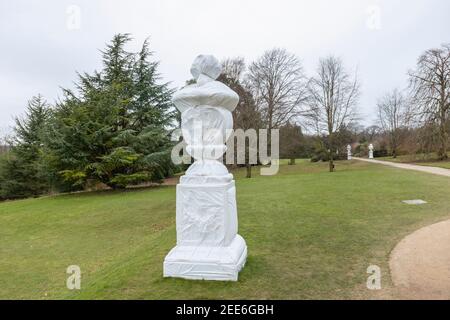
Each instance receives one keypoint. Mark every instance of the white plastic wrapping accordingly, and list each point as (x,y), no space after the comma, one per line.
(208,246)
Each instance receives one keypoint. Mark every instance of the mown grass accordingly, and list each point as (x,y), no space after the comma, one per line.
(310,234)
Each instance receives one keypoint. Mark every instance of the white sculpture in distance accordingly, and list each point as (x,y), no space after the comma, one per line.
(370,151)
(208,246)
(349,152)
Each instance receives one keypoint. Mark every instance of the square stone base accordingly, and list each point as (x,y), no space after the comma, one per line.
(207,263)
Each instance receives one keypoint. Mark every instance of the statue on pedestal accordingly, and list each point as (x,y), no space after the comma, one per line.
(208,246)
(370,151)
(349,152)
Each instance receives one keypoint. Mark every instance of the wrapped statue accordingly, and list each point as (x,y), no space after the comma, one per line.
(208,246)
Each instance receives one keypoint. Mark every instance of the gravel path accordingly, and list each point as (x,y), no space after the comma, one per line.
(433,170)
(420,263)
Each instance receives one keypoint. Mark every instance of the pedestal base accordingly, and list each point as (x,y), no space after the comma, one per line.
(207,263)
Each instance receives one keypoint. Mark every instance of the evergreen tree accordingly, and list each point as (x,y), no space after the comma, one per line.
(291,142)
(21,173)
(114,128)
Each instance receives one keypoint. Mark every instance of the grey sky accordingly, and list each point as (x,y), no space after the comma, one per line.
(41,46)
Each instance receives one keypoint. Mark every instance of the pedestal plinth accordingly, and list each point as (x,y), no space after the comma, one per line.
(208,246)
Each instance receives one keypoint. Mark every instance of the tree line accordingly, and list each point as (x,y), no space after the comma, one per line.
(114,128)
(276,93)
(412,120)
(416,119)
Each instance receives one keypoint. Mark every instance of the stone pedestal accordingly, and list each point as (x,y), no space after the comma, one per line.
(208,246)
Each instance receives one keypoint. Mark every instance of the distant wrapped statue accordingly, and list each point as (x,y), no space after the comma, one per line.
(370,151)
(208,246)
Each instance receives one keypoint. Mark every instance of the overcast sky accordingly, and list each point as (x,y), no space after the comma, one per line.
(43,43)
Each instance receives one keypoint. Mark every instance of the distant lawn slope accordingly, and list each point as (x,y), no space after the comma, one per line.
(420,159)
(310,234)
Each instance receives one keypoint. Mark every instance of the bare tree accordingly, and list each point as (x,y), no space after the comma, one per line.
(333,96)
(233,69)
(4,143)
(370,133)
(393,115)
(277,82)
(246,115)
(430,84)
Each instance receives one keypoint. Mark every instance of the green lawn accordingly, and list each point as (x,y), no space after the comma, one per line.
(420,159)
(310,234)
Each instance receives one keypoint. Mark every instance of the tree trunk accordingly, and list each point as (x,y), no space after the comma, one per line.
(292,161)
(249,170)
(331,162)
(394,144)
(443,137)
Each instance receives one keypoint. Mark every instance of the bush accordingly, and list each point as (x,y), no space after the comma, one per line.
(380,153)
(320,155)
